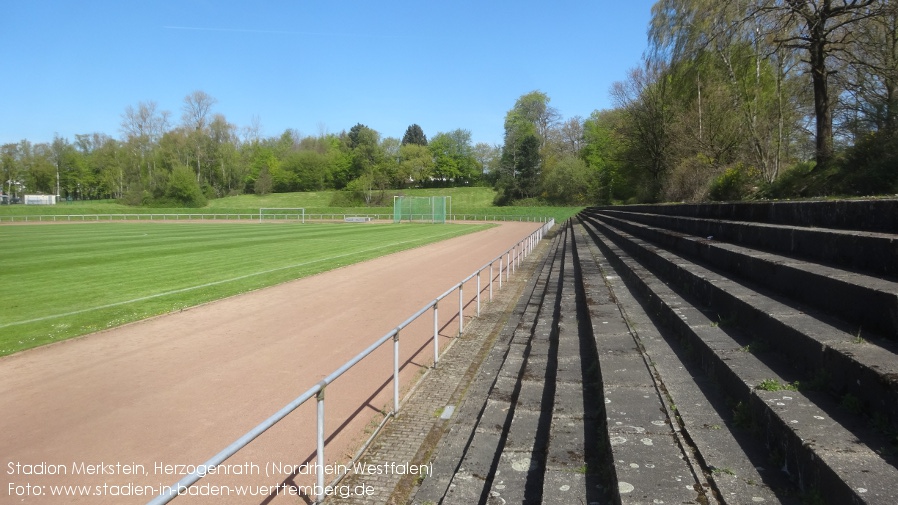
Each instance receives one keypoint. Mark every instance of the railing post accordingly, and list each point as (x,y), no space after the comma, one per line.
(500,272)
(514,258)
(461,309)
(320,481)
(396,373)
(491,281)
(507,266)
(478,293)
(436,335)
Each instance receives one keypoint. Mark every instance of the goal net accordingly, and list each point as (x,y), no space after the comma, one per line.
(272,214)
(424,209)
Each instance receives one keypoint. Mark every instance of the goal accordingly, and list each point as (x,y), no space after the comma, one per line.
(282,213)
(422,209)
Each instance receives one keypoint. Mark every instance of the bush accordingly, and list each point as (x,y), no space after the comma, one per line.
(690,180)
(735,183)
(135,196)
(183,188)
(263,184)
(793,182)
(870,167)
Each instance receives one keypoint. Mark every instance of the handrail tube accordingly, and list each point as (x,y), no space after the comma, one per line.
(249,216)
(251,435)
(318,389)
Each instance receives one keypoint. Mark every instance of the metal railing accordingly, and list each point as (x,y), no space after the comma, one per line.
(202,216)
(508,262)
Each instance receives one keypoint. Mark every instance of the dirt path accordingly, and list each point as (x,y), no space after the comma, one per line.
(115,410)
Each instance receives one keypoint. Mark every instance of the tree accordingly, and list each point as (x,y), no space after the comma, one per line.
(453,157)
(143,128)
(414,135)
(356,134)
(224,173)
(601,152)
(11,169)
(527,130)
(533,108)
(645,101)
(197,110)
(820,29)
(487,157)
(263,183)
(415,165)
(310,169)
(871,84)
(737,88)
(183,188)
(195,117)
(570,136)
(568,182)
(366,151)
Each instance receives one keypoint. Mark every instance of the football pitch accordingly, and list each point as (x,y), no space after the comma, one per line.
(61,281)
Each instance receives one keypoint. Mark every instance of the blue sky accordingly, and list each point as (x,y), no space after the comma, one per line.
(73,67)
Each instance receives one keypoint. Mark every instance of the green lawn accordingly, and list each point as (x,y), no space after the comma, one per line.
(475,201)
(60,281)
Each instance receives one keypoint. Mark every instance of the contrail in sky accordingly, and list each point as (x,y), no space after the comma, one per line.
(275,32)
(236,30)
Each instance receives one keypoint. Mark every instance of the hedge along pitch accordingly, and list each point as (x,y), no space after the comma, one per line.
(63,281)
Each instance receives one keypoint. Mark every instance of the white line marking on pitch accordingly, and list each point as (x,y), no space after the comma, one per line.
(223,281)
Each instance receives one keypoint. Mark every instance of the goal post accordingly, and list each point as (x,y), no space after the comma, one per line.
(422,209)
(272,213)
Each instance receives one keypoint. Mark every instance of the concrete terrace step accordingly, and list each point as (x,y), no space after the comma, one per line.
(651,460)
(867,370)
(648,364)
(866,251)
(867,302)
(858,215)
(824,457)
(737,467)
(543,435)
(467,456)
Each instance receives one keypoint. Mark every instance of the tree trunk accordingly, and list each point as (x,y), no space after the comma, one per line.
(823,111)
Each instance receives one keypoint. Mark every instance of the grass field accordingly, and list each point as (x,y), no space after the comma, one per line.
(60,281)
(476,201)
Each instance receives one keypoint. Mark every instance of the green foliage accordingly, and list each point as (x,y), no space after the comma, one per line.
(263,183)
(521,169)
(742,416)
(798,181)
(735,183)
(309,169)
(527,127)
(453,158)
(851,404)
(184,189)
(601,152)
(414,135)
(415,166)
(690,180)
(775,385)
(870,167)
(567,183)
